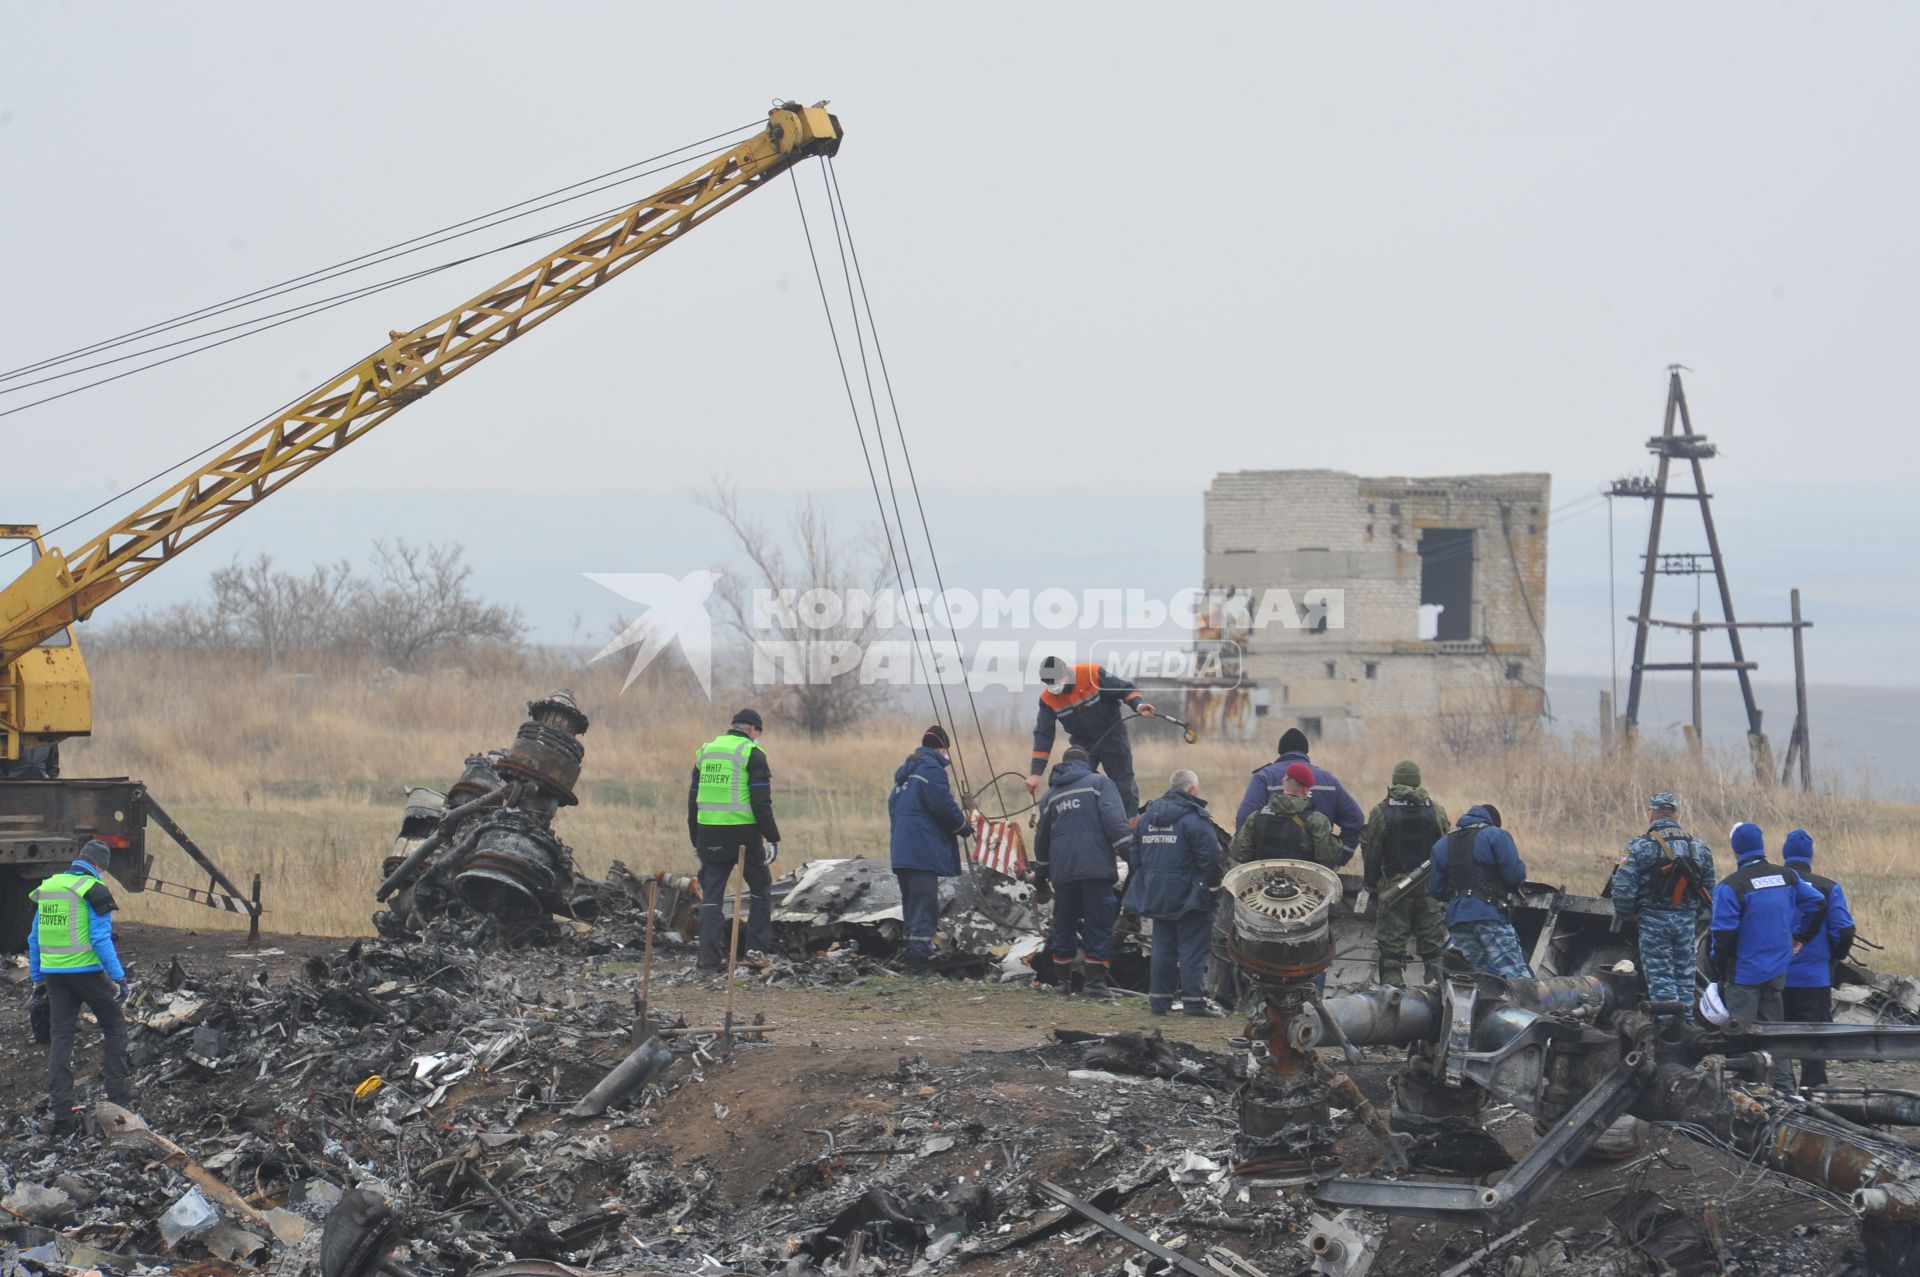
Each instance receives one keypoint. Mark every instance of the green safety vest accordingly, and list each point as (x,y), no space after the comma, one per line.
(63,922)
(722,795)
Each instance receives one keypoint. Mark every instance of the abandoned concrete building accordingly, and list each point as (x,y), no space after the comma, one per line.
(1440,606)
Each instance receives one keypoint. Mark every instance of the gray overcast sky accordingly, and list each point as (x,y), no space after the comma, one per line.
(1109,247)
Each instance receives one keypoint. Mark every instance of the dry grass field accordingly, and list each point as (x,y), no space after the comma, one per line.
(299,777)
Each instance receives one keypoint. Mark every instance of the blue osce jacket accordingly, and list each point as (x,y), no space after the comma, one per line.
(926,819)
(1759,910)
(1082,829)
(1329,797)
(1496,861)
(1812,967)
(1176,861)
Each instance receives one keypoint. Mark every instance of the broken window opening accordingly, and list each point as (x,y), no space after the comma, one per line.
(1373,669)
(1446,582)
(1332,670)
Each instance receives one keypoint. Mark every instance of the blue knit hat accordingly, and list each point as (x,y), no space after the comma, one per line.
(1798,846)
(1748,840)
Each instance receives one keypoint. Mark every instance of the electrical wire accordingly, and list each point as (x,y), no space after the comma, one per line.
(304,310)
(400,248)
(913,479)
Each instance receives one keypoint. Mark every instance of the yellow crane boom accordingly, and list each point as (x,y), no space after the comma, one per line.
(46,699)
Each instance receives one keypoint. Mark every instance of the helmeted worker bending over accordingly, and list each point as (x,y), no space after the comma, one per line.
(1088,702)
(730,808)
(70,952)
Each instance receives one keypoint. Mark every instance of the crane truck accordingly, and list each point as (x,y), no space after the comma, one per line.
(45,694)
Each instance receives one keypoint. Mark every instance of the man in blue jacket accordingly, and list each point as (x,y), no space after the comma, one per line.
(70,951)
(927,824)
(1174,869)
(1329,797)
(1808,997)
(1082,832)
(1762,915)
(1475,870)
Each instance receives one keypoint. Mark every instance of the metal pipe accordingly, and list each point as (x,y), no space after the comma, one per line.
(179,835)
(409,869)
(645,1063)
(1377,1017)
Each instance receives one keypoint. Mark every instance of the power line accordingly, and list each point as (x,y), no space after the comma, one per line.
(374,257)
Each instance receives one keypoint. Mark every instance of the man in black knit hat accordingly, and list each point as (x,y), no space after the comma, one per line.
(927,824)
(1328,797)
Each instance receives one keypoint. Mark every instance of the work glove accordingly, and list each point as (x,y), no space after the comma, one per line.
(771,849)
(121,989)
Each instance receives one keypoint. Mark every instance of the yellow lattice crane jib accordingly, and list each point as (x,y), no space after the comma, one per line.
(44,692)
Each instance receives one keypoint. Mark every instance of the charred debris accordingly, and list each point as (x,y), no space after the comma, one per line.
(486,1090)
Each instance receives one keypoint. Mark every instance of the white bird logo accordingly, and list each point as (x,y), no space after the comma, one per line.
(676,612)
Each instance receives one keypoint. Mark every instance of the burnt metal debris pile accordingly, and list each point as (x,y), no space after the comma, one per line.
(486,846)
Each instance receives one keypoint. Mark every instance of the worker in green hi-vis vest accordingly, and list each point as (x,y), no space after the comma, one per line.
(71,955)
(730,810)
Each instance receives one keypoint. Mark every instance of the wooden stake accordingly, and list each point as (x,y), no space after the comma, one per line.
(646,963)
(733,952)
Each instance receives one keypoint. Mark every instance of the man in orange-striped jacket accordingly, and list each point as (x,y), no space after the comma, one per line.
(1090,703)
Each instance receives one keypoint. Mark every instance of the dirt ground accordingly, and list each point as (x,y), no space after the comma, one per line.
(855,1056)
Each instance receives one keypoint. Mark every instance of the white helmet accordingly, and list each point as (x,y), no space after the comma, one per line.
(1713,1008)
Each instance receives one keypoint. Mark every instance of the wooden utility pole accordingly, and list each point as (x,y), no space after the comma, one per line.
(1683,444)
(1800,743)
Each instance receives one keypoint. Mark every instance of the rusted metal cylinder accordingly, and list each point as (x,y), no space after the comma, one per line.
(1894,1203)
(516,868)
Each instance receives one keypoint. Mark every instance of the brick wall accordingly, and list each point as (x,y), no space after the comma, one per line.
(1324,529)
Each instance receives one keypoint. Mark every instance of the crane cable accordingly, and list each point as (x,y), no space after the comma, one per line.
(926,530)
(860,430)
(374,257)
(843,240)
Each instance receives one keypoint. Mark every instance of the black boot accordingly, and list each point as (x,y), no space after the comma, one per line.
(1098,986)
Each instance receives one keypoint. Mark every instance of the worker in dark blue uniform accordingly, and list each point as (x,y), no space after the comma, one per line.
(1475,870)
(926,824)
(1090,703)
(1174,868)
(1808,997)
(1077,845)
(1328,796)
(1762,914)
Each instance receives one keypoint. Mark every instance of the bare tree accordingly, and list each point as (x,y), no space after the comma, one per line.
(276,613)
(419,602)
(819,690)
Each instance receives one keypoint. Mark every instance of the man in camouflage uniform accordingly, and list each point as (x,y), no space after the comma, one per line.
(1288,827)
(1665,881)
(1399,834)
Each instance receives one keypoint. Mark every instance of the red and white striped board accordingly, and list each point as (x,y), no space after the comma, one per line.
(999,845)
